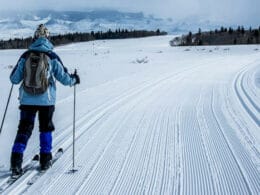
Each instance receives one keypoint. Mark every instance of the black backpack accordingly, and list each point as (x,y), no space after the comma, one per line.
(36,76)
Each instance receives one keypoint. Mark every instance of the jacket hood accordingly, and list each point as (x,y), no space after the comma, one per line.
(41,44)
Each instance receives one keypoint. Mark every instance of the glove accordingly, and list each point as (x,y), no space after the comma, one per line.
(76,76)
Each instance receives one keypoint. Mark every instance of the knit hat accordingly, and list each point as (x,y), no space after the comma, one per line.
(41,31)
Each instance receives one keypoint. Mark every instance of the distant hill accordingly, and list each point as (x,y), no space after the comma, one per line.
(223,36)
(22,24)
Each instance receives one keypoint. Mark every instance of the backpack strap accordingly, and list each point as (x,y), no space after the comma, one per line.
(53,56)
(23,56)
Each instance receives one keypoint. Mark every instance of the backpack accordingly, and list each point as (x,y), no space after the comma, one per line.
(36,81)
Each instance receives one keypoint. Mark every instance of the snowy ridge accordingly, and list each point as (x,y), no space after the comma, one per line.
(23,24)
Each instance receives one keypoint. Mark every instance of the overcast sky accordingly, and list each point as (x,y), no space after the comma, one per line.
(230,11)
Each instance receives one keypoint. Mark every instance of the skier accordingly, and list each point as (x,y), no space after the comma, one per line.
(37,68)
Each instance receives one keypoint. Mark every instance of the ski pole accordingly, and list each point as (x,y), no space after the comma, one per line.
(7,104)
(74,117)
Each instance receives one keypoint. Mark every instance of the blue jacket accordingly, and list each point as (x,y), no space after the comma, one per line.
(56,70)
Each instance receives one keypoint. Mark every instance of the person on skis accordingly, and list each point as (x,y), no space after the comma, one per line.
(37,70)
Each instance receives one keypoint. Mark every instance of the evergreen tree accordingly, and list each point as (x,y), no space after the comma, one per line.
(230,30)
(199,32)
(256,33)
(242,30)
(92,34)
(158,31)
(239,29)
(79,37)
(189,38)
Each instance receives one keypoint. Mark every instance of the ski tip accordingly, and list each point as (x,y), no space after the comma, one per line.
(36,157)
(60,150)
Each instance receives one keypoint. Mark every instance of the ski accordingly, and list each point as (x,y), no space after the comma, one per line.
(40,172)
(12,179)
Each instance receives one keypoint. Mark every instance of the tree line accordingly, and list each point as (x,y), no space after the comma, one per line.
(222,36)
(62,39)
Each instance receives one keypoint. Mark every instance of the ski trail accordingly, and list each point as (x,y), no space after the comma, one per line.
(247,172)
(249,84)
(63,155)
(89,185)
(151,160)
(246,130)
(222,161)
(156,83)
(85,137)
(128,156)
(249,105)
(126,164)
(86,189)
(239,179)
(99,114)
(136,178)
(196,170)
(207,142)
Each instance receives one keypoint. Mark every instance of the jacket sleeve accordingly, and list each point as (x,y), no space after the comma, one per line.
(61,73)
(17,74)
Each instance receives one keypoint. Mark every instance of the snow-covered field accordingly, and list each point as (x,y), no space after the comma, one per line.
(151,119)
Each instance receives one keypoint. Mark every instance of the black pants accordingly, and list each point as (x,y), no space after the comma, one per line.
(25,128)
(27,117)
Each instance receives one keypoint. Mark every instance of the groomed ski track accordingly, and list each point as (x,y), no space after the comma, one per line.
(190,129)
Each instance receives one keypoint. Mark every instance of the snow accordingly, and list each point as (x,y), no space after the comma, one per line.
(151,119)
